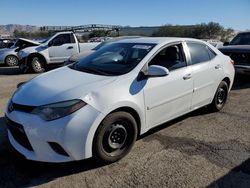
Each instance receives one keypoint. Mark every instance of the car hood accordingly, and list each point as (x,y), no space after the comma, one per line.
(77,57)
(235,48)
(30,41)
(59,85)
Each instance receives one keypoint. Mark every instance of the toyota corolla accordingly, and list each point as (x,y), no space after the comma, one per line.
(101,104)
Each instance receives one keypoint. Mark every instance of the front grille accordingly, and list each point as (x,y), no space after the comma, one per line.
(20,107)
(239,58)
(18,133)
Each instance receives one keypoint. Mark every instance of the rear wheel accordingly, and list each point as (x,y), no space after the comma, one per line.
(37,65)
(115,137)
(220,97)
(11,60)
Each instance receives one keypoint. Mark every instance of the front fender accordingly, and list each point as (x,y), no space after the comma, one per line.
(38,55)
(27,52)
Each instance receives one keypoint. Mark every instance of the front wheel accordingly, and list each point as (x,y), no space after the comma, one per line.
(115,137)
(37,65)
(11,61)
(220,97)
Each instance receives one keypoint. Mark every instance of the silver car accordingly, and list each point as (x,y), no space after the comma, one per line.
(9,57)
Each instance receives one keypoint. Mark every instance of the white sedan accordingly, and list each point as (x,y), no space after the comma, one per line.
(99,105)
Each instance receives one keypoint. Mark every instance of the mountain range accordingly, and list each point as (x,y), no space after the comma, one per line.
(10,28)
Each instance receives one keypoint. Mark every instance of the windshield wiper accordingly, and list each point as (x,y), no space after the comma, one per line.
(94,71)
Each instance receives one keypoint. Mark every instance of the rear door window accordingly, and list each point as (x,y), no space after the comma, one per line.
(198,52)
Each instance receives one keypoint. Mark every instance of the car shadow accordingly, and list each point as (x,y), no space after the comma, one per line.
(237,177)
(198,112)
(5,70)
(16,171)
(241,81)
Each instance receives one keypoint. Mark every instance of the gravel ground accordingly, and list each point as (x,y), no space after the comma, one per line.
(197,150)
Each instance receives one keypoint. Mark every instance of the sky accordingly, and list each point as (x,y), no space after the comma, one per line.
(229,13)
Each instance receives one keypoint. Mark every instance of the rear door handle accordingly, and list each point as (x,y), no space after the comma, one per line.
(187,76)
(218,66)
(70,47)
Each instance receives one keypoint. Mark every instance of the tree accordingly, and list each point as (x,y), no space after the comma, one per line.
(84,38)
(211,30)
(98,33)
(32,35)
(227,35)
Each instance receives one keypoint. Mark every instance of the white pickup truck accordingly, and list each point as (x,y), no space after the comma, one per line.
(52,52)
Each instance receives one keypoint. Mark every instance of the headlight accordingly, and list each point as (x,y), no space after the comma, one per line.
(58,110)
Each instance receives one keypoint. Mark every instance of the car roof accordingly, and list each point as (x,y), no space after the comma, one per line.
(157,40)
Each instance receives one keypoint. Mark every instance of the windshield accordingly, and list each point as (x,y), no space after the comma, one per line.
(13,46)
(17,44)
(241,39)
(114,59)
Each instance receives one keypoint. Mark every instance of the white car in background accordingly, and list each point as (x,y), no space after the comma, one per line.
(52,52)
(99,105)
(77,57)
(9,57)
(216,43)
(6,43)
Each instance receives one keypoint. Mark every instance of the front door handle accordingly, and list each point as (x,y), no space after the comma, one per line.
(70,47)
(187,76)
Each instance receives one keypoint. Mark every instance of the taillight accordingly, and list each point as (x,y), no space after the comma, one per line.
(232,61)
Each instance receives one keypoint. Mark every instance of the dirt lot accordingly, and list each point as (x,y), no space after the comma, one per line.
(197,150)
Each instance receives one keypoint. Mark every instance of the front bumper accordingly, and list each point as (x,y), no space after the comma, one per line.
(69,134)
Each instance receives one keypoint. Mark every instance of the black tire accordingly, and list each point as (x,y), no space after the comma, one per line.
(11,61)
(220,97)
(37,65)
(114,137)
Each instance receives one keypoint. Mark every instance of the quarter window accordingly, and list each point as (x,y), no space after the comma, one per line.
(212,54)
(198,52)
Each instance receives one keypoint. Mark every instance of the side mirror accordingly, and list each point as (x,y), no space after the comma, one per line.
(154,71)
(157,71)
(225,43)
